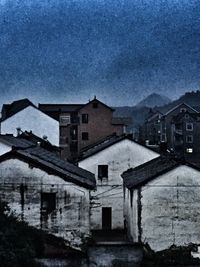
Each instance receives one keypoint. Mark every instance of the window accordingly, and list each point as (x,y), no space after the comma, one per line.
(189,138)
(85,136)
(95,105)
(183,110)
(84,118)
(64,120)
(48,202)
(102,171)
(189,126)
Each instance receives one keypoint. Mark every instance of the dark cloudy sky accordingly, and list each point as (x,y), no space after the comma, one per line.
(119,50)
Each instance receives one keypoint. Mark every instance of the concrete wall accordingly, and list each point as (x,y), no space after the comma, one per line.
(69,220)
(170,211)
(32,119)
(119,157)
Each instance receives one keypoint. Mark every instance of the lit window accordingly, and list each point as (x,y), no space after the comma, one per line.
(189,138)
(102,171)
(189,126)
(84,118)
(189,150)
(85,136)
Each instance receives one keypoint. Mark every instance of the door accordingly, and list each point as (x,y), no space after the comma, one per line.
(106,218)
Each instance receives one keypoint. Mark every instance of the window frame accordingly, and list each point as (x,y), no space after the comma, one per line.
(84,118)
(102,173)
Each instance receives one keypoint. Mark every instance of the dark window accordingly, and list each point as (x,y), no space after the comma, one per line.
(95,105)
(102,171)
(189,126)
(189,139)
(84,118)
(74,147)
(85,136)
(48,202)
(183,110)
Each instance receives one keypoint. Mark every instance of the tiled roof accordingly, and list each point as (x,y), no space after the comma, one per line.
(103,144)
(147,171)
(48,161)
(30,136)
(9,110)
(15,142)
(182,104)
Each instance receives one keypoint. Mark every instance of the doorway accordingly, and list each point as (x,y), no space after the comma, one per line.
(106,218)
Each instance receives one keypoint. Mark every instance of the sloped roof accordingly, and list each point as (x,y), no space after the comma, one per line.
(98,101)
(52,164)
(184,104)
(9,110)
(15,142)
(30,136)
(103,144)
(142,174)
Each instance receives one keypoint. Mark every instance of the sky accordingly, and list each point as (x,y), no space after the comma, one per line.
(67,51)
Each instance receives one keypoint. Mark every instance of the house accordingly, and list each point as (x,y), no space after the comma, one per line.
(162,203)
(185,134)
(24,115)
(107,160)
(47,192)
(83,124)
(167,118)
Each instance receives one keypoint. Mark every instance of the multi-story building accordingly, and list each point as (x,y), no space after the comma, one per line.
(185,137)
(152,127)
(83,124)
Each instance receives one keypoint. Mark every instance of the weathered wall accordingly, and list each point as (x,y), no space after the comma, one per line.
(69,220)
(32,119)
(170,211)
(119,157)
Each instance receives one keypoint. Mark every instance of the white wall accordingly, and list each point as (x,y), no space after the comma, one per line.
(170,212)
(70,219)
(119,157)
(32,119)
(4,148)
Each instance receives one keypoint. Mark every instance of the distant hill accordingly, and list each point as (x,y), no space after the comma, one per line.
(138,113)
(154,100)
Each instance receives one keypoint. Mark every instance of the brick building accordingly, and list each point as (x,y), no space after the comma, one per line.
(83,124)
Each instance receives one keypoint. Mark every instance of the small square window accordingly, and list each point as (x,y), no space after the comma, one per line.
(189,126)
(189,138)
(95,105)
(84,118)
(102,171)
(85,136)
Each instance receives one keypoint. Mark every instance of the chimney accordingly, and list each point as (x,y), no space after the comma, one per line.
(18,131)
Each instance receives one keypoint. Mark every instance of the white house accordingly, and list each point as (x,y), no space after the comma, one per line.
(47,192)
(24,115)
(162,203)
(107,160)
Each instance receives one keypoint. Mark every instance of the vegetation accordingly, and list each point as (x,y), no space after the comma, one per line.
(19,243)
